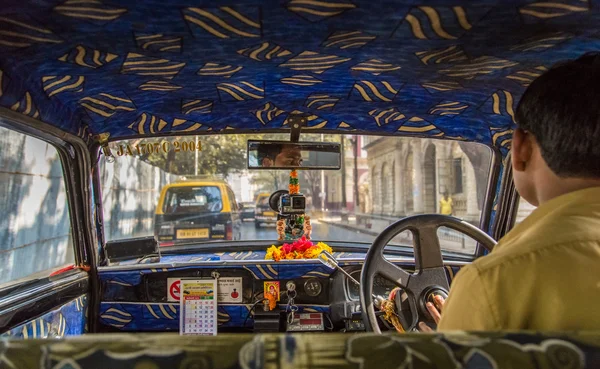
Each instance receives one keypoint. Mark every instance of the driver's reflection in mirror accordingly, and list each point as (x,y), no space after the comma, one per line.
(283,155)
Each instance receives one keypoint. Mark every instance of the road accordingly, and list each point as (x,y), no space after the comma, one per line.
(449,239)
(321,232)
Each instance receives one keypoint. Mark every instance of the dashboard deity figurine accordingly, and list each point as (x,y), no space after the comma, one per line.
(271,296)
(307,227)
(281,229)
(291,206)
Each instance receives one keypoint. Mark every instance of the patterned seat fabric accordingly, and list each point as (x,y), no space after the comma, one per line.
(459,350)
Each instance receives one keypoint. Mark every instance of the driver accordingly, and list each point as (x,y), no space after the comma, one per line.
(280,155)
(545,273)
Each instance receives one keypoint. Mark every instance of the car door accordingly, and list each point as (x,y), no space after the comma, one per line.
(42,292)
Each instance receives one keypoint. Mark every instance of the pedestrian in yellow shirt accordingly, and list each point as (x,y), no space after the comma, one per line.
(446,205)
(545,273)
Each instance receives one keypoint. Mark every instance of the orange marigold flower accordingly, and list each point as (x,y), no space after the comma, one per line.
(274,253)
(299,249)
(312,253)
(324,247)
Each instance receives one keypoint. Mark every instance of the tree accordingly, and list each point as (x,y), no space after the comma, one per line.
(271,180)
(225,154)
(218,155)
(312,179)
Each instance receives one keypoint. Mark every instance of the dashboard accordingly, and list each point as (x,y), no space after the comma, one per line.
(154,287)
(138,298)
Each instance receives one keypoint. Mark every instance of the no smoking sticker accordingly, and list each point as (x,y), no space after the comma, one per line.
(229,290)
(173,289)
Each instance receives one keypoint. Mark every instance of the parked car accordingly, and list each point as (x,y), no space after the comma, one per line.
(248,210)
(197,210)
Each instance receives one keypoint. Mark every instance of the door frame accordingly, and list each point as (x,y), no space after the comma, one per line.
(76,163)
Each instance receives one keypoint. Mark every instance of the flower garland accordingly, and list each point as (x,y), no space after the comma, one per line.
(294,186)
(299,249)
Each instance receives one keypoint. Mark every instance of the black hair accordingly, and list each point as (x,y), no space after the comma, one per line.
(268,151)
(561,109)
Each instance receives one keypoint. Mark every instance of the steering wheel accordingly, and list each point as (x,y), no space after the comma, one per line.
(429,277)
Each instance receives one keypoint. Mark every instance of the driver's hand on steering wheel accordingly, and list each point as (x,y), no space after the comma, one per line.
(435,310)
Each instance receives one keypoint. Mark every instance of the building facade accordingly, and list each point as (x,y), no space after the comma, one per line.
(409,176)
(351,168)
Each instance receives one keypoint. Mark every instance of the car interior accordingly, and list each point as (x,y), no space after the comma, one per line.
(264,184)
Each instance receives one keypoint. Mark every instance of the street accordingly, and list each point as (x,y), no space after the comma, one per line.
(321,232)
(449,239)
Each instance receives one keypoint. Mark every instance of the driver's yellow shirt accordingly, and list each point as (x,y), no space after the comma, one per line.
(543,275)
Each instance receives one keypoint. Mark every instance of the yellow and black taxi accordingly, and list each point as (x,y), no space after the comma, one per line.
(248,211)
(197,210)
(263,214)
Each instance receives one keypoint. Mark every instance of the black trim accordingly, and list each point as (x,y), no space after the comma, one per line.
(41,297)
(486,212)
(511,203)
(507,201)
(513,212)
(98,222)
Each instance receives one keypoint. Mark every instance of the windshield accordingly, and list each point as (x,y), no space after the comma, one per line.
(193,189)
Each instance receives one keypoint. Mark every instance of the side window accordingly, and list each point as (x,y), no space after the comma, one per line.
(35,228)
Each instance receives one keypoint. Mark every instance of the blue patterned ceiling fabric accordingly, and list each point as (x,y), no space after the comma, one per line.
(450,69)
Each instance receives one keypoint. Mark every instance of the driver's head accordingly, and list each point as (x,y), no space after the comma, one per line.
(556,147)
(281,155)
(268,153)
(290,156)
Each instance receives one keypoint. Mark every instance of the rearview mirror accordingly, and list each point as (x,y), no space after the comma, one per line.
(290,155)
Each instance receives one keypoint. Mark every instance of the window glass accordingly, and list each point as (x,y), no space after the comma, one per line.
(35,228)
(130,192)
(381,180)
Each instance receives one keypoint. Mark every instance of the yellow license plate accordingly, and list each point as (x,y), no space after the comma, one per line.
(192,233)
(269,214)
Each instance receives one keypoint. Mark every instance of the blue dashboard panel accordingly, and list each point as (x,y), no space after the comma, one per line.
(147,317)
(128,314)
(259,268)
(69,319)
